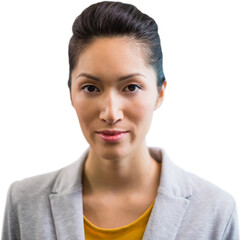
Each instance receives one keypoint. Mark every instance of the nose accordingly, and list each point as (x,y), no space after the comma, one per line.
(111,111)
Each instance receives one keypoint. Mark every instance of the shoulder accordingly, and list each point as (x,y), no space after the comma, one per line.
(211,204)
(204,190)
(33,187)
(208,210)
(182,183)
(208,203)
(41,186)
(211,208)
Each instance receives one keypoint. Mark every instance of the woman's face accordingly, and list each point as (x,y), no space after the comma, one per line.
(114,92)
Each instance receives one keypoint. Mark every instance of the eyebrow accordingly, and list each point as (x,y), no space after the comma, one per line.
(99,80)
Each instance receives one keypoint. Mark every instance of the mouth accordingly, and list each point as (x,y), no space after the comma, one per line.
(111,136)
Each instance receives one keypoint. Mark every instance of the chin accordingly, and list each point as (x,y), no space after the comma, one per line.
(112,153)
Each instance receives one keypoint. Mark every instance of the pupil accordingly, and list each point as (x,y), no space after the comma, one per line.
(91,88)
(132,87)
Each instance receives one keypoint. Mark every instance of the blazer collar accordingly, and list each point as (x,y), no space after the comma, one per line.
(170,205)
(173,179)
(70,177)
(171,202)
(66,201)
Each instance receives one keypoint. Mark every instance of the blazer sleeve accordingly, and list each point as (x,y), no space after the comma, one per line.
(10,222)
(232,229)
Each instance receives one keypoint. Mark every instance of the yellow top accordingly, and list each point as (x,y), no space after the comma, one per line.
(134,230)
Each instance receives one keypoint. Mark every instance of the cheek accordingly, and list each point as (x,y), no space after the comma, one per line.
(85,113)
(142,112)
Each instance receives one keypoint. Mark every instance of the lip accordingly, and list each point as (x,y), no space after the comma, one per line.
(111,136)
(111,132)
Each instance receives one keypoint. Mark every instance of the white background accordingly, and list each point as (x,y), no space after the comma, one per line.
(199,123)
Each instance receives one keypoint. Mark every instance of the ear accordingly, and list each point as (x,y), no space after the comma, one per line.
(160,95)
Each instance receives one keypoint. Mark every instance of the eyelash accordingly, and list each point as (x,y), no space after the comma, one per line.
(135,85)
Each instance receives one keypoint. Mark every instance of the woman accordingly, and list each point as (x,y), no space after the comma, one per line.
(119,188)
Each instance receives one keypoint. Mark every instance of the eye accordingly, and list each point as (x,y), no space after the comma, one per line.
(89,88)
(132,88)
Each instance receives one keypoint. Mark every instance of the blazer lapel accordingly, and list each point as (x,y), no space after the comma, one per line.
(166,217)
(67,212)
(171,202)
(66,201)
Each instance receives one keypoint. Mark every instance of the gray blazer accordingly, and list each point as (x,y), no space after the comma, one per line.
(49,207)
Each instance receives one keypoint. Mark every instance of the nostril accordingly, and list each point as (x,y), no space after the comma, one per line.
(111,121)
(111,115)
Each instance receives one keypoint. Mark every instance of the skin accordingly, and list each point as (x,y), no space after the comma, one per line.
(121,175)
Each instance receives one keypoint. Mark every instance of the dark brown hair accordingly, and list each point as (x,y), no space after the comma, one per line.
(110,19)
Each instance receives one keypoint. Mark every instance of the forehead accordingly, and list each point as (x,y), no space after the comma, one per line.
(115,55)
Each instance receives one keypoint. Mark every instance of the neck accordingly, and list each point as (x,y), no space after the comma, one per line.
(137,171)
